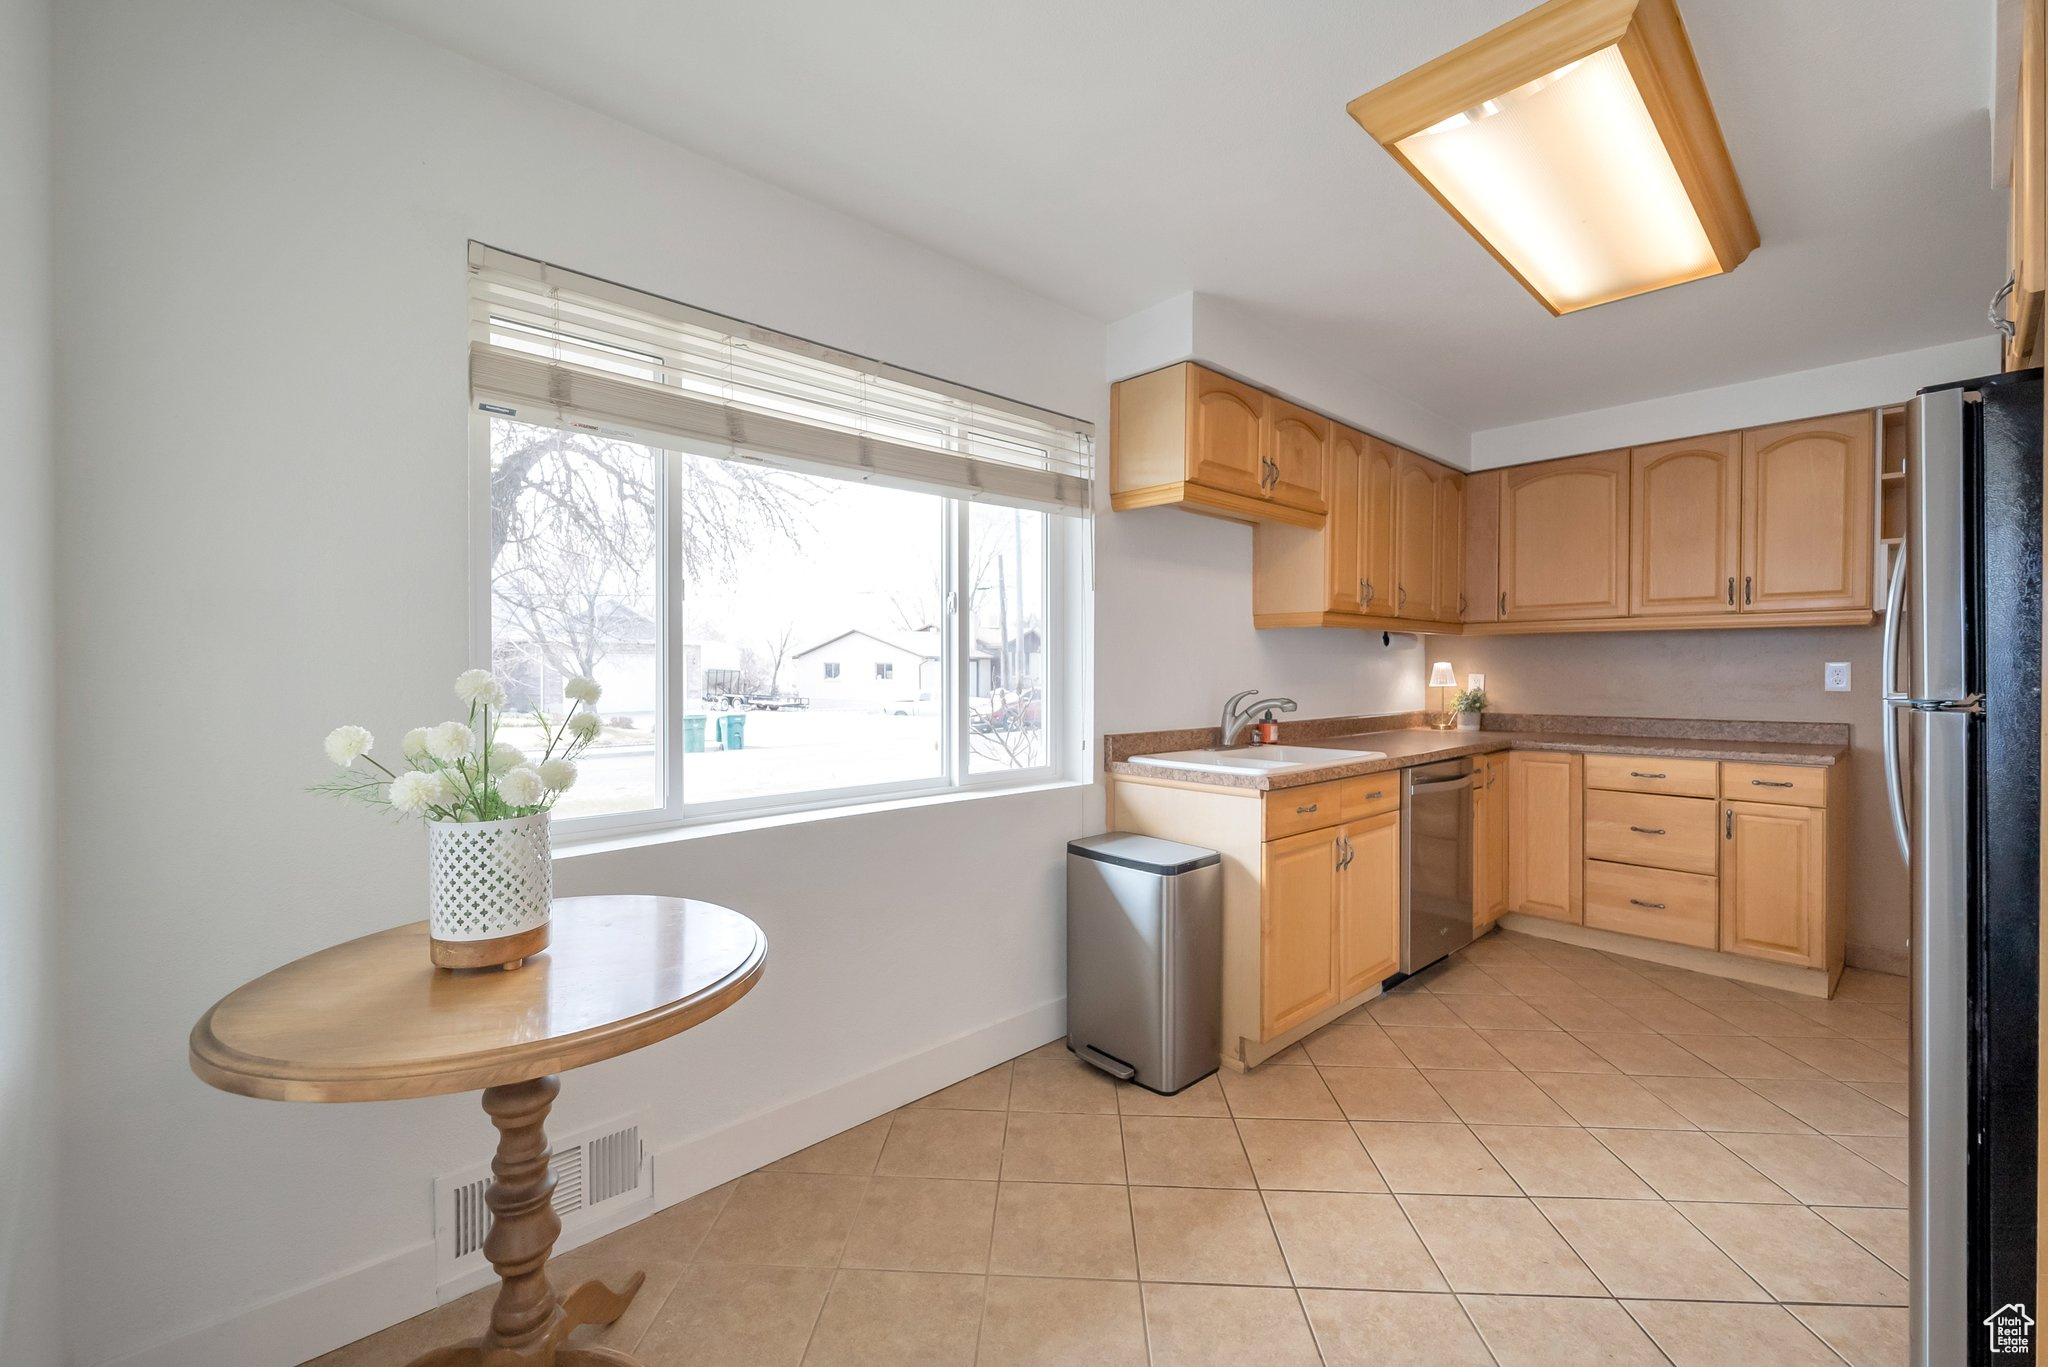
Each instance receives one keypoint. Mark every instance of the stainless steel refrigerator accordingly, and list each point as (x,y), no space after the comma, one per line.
(1963,748)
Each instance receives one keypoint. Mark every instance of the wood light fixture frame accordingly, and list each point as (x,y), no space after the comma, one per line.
(1652,41)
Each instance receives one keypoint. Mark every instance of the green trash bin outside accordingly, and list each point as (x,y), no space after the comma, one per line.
(693,733)
(732,731)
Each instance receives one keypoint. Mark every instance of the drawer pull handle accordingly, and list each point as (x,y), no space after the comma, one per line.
(1376,796)
(1304,811)
(1770,783)
(1639,902)
(1645,830)
(1637,773)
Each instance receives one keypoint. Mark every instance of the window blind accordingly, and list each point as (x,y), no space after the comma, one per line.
(553,347)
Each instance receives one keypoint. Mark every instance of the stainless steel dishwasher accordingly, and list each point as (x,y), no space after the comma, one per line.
(1436,861)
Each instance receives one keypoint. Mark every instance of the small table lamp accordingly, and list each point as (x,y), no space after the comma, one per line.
(1440,676)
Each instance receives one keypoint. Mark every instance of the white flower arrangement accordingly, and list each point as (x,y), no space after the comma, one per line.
(460,770)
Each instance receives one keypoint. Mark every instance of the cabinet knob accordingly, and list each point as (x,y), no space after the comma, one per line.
(1731,590)
(1748,589)
(1639,902)
(1645,830)
(1637,773)
(1770,783)
(1729,829)
(1304,811)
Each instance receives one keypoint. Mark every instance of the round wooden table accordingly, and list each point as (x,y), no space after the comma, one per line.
(374,1020)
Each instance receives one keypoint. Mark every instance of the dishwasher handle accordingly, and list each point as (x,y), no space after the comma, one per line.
(1442,785)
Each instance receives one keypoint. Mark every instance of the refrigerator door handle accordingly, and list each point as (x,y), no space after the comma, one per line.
(1894,780)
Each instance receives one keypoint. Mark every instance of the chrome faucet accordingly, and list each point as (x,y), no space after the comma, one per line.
(1236,718)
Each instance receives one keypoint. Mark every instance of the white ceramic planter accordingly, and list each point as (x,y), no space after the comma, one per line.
(1468,721)
(493,889)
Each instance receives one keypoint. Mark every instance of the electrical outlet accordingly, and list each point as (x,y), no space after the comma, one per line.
(1835,677)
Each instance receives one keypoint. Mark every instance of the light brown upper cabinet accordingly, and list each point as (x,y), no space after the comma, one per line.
(1296,442)
(1482,546)
(1427,496)
(1564,539)
(1377,468)
(1685,519)
(1807,515)
(1342,573)
(1450,548)
(1190,437)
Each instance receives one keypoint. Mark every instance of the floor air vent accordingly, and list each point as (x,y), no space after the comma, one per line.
(600,1174)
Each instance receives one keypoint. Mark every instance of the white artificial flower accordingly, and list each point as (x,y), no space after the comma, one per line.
(413,793)
(522,787)
(558,774)
(346,743)
(450,741)
(415,743)
(479,688)
(505,757)
(582,688)
(583,725)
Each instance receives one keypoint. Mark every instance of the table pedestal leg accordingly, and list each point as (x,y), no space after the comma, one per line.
(528,1321)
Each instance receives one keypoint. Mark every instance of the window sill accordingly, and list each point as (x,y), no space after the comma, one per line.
(575,847)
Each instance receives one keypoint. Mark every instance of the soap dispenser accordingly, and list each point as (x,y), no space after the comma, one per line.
(1267,732)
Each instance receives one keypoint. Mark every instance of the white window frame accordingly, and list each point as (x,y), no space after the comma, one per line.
(1057,712)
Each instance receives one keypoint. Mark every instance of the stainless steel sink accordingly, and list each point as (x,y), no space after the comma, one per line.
(1259,759)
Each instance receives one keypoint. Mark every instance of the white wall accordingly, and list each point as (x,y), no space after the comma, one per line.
(280,192)
(30,1312)
(1240,340)
(1871,383)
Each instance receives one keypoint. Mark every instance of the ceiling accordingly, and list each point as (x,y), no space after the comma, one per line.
(1113,155)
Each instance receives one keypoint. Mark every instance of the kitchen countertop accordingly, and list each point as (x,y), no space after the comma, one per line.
(1407,747)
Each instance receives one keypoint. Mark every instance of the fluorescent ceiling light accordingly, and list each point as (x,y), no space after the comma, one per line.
(1577,143)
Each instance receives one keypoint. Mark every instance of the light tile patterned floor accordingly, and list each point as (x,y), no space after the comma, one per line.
(1531,1154)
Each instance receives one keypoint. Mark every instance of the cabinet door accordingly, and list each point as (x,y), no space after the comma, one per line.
(1774,882)
(1807,515)
(1369,903)
(1344,533)
(1482,547)
(1546,835)
(1297,930)
(1376,532)
(1685,518)
(1415,537)
(1297,442)
(1490,841)
(1450,548)
(1226,419)
(1564,539)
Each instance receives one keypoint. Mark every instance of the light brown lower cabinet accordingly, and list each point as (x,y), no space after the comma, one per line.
(1311,894)
(1774,882)
(1490,841)
(1368,903)
(1742,859)
(1546,834)
(1298,923)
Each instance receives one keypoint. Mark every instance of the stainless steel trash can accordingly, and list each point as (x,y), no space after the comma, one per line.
(1145,958)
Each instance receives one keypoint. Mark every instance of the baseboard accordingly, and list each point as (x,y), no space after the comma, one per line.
(324,1315)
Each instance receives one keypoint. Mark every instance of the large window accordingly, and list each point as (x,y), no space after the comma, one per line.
(771,628)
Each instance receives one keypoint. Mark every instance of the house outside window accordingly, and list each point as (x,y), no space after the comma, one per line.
(698,574)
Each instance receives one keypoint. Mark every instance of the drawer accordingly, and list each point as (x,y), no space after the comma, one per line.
(1652,830)
(1639,774)
(1371,795)
(1797,785)
(1290,811)
(1683,908)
